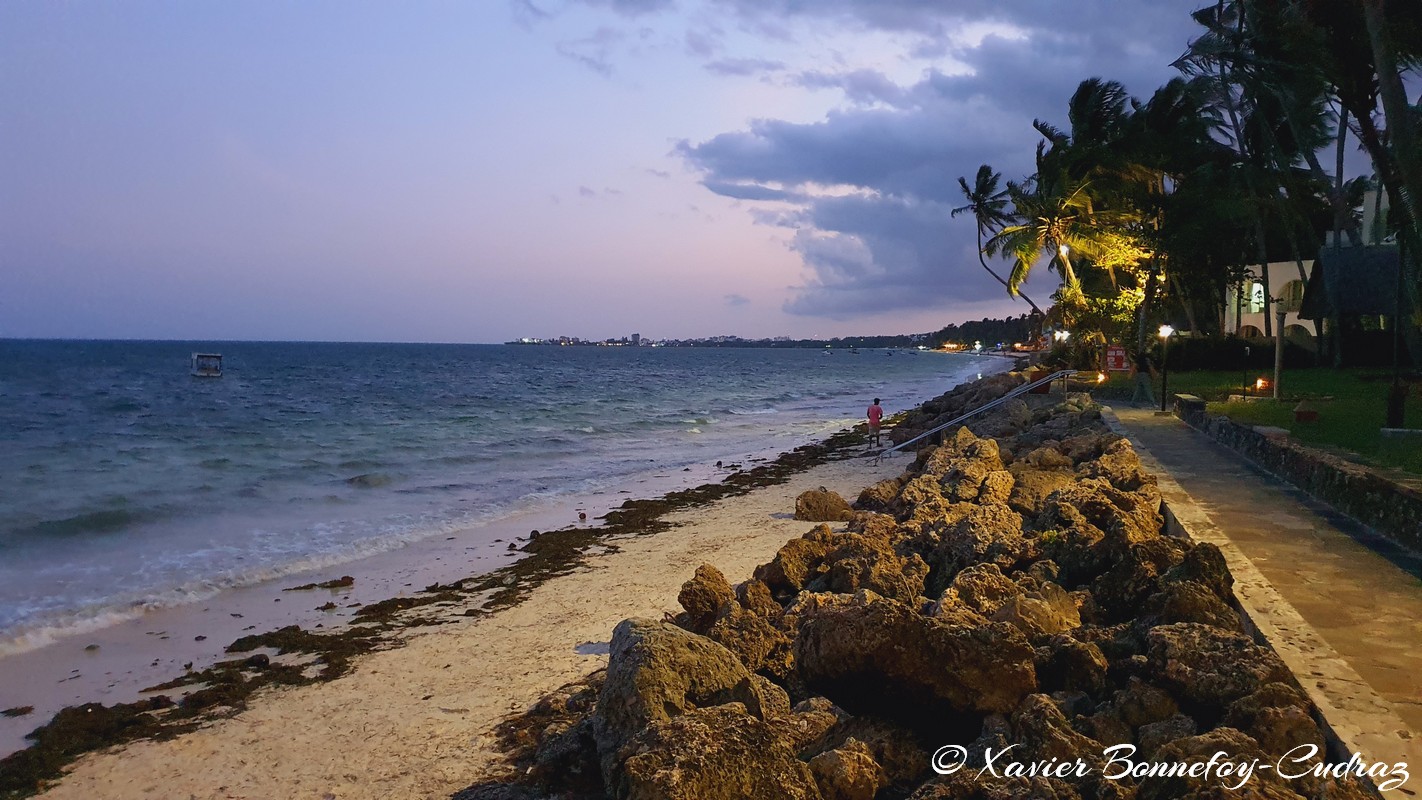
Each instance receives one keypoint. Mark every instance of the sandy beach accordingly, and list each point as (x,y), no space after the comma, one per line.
(415,722)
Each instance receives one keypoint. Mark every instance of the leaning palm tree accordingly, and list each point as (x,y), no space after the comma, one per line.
(988,205)
(1054,217)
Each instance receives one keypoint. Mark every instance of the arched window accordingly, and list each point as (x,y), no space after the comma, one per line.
(1250,332)
(1297,332)
(1256,297)
(1291,296)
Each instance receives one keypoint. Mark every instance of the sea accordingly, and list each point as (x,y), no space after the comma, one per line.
(127,484)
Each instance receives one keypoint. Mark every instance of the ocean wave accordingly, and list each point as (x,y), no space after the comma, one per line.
(105,521)
(370,480)
(753,412)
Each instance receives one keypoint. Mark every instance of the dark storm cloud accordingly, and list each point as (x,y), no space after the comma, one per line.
(883,240)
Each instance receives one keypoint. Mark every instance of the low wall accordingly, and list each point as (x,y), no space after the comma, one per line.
(1389,508)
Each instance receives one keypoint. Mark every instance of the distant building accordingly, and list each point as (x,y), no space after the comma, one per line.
(636,339)
(1246,304)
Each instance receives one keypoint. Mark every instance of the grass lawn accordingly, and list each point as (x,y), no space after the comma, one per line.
(1351,404)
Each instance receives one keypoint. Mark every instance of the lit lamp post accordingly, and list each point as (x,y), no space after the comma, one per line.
(1061,336)
(1165,333)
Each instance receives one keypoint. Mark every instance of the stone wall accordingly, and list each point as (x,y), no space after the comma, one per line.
(1389,508)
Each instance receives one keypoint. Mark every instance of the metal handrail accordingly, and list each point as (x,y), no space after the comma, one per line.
(1023,389)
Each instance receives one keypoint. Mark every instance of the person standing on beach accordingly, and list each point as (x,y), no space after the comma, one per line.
(875,414)
(1145,373)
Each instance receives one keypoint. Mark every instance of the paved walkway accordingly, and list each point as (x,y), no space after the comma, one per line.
(1345,603)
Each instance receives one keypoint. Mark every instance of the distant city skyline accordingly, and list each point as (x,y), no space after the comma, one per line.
(481,172)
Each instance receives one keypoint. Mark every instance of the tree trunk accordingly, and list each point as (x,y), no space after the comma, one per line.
(1341,217)
(1005,284)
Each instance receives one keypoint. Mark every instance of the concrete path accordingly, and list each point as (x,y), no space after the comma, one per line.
(1342,605)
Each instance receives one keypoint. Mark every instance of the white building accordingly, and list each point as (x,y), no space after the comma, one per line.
(1244,312)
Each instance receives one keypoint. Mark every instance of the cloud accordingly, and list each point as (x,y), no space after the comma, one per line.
(750,191)
(743,66)
(870,186)
(861,86)
(632,8)
(736,300)
(584,191)
(595,51)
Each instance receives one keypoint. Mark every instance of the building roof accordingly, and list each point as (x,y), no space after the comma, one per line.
(1352,280)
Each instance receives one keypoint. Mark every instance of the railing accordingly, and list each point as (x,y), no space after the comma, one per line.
(1020,390)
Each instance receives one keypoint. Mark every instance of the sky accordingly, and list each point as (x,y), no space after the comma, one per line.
(486,170)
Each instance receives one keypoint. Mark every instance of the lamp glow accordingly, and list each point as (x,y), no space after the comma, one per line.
(1166,331)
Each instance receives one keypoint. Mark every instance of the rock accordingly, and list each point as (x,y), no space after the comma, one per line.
(1135,575)
(882,655)
(996,488)
(893,748)
(808,725)
(1188,601)
(822,505)
(1120,466)
(986,534)
(1074,666)
(1153,736)
(567,757)
(1031,487)
(1209,666)
(703,596)
(496,791)
(983,588)
(754,596)
(1046,458)
(1278,716)
(951,610)
(1047,610)
(759,645)
(880,496)
(847,772)
(797,561)
(863,562)
(717,753)
(1204,564)
(1141,704)
(657,671)
(1237,749)
(965,785)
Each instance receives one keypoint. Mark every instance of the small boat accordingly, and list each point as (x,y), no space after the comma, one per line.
(207,365)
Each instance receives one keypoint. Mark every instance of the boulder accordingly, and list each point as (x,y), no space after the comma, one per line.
(1204,564)
(754,596)
(797,561)
(822,505)
(1237,749)
(719,753)
(657,671)
(879,654)
(1188,601)
(865,562)
(1073,666)
(1209,666)
(703,596)
(1278,716)
(1046,610)
(996,488)
(879,496)
(1134,576)
(983,588)
(985,534)
(847,772)
(759,645)
(1031,487)
(1153,736)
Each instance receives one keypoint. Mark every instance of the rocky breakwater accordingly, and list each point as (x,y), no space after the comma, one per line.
(1010,599)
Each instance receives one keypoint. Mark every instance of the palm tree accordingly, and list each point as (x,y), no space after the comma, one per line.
(988,205)
(1054,217)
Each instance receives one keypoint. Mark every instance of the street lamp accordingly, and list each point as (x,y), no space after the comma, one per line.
(1061,336)
(1165,333)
